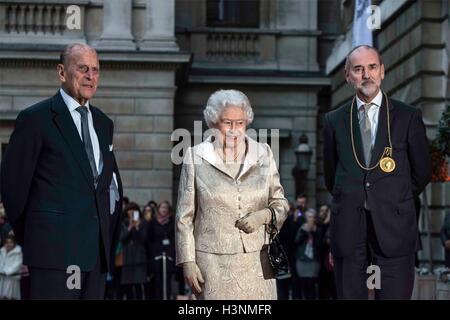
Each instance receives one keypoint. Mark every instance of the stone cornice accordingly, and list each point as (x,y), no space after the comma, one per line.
(257,31)
(47,2)
(109,60)
(261,80)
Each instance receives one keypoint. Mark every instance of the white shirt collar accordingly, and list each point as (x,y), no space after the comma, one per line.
(376,101)
(71,103)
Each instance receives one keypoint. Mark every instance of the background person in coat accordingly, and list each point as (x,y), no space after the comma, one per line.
(10,267)
(294,221)
(308,241)
(373,219)
(227,185)
(5,227)
(327,286)
(134,268)
(161,238)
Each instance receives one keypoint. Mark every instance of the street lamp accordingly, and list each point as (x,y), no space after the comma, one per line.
(303,155)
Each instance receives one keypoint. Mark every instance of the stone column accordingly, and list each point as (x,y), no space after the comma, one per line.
(159,26)
(117,26)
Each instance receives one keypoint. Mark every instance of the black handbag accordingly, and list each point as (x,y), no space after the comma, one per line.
(277,256)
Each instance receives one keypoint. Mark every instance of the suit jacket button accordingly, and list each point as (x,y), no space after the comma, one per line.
(367,184)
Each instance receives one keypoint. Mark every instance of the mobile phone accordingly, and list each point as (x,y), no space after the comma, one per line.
(135,215)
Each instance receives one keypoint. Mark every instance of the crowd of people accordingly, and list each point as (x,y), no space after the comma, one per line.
(305,237)
(145,249)
(147,244)
(145,257)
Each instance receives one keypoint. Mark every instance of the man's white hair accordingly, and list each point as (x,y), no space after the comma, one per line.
(221,99)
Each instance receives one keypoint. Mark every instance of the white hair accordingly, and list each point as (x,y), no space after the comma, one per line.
(221,99)
(311,211)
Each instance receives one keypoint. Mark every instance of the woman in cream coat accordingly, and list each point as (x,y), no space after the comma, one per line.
(227,185)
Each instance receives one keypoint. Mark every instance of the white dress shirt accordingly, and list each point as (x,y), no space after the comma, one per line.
(373,113)
(72,104)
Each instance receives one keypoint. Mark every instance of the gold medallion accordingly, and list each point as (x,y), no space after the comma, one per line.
(387,164)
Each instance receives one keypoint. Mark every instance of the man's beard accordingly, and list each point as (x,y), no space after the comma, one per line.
(368,90)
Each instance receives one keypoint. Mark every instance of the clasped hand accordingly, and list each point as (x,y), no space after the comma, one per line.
(252,221)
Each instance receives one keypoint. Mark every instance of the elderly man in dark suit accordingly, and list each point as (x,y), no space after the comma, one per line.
(61,186)
(376,162)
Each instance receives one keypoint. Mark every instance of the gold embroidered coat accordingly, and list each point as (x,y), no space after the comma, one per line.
(210,201)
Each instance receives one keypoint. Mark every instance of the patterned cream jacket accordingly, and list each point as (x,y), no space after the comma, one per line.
(210,201)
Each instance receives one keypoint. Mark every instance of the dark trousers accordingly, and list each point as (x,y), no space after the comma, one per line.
(307,288)
(48,284)
(117,287)
(157,286)
(397,273)
(133,291)
(296,289)
(283,287)
(327,285)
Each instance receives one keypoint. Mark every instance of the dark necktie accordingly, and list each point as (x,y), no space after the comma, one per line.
(87,141)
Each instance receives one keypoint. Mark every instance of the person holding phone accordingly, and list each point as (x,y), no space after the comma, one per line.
(308,241)
(134,269)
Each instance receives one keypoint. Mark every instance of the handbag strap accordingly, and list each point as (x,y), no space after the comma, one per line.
(273,230)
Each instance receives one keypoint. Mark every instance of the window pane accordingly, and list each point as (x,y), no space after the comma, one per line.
(232,13)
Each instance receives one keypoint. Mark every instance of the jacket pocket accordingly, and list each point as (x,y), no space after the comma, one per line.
(47,211)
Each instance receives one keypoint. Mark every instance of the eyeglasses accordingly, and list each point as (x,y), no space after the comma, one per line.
(84,69)
(229,123)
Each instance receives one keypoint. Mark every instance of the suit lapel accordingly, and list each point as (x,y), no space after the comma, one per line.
(66,126)
(356,136)
(206,151)
(254,152)
(101,131)
(382,140)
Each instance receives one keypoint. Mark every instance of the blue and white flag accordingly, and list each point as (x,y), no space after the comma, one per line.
(362,28)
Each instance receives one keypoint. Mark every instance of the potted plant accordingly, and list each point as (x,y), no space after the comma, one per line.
(440,149)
